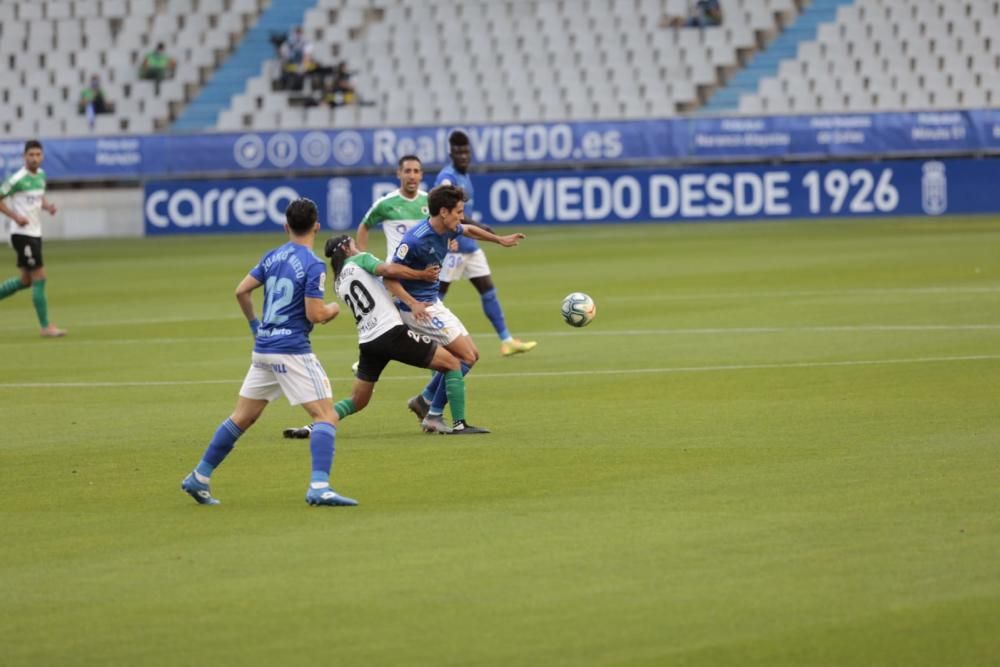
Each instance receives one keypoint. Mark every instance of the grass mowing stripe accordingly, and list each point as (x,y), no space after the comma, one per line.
(862,328)
(695,296)
(542,374)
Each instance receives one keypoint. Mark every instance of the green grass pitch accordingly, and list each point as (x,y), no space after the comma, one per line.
(776,445)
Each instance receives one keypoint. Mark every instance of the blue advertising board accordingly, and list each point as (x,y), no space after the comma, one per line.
(527,146)
(734,192)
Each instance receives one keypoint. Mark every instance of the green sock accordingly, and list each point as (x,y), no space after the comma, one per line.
(344,407)
(41,304)
(10,286)
(454,387)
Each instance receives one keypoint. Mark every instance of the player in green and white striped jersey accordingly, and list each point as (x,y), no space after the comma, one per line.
(22,199)
(400,209)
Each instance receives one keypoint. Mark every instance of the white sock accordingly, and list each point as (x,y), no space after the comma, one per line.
(201,478)
(319,485)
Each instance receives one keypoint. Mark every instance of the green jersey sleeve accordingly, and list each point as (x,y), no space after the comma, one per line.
(366,261)
(375,214)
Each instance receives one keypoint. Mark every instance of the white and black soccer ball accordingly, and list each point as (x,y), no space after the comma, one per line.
(578,309)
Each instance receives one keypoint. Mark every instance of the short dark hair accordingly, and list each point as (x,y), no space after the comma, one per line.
(407,158)
(336,249)
(32,143)
(445,196)
(458,138)
(301,215)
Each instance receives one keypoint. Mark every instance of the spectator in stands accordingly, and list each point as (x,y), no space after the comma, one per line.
(704,14)
(296,60)
(338,89)
(93,102)
(157,66)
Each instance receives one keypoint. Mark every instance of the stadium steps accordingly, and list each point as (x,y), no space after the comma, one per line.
(765,62)
(245,62)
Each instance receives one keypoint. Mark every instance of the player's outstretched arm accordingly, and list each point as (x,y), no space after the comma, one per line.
(481,234)
(319,312)
(48,206)
(403,272)
(476,223)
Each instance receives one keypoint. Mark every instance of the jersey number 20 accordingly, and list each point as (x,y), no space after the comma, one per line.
(359,299)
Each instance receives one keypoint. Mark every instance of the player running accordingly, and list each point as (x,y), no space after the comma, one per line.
(382,336)
(426,245)
(22,199)
(399,210)
(282,361)
(467,260)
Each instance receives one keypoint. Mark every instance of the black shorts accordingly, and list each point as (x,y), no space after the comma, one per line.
(29,251)
(396,344)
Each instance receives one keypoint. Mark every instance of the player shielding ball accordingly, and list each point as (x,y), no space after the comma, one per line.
(382,336)
(427,245)
(282,362)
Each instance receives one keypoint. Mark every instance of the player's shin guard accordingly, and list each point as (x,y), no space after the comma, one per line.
(41,303)
(321,444)
(441,396)
(10,286)
(491,306)
(344,407)
(454,384)
(219,447)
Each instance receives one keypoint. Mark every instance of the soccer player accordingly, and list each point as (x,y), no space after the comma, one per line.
(22,199)
(426,245)
(399,210)
(382,336)
(282,361)
(467,260)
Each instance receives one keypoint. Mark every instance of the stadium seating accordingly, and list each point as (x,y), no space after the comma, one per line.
(503,61)
(889,55)
(50,48)
(516,60)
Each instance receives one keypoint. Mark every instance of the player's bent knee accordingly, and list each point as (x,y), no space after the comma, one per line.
(445,361)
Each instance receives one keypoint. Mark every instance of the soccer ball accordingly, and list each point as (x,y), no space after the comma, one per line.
(578,309)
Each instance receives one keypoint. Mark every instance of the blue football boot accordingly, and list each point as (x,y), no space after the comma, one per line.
(201,493)
(327,496)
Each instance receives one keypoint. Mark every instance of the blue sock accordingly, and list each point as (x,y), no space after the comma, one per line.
(441,395)
(431,389)
(219,447)
(321,444)
(491,306)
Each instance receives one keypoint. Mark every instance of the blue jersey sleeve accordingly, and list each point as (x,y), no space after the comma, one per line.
(315,281)
(258,272)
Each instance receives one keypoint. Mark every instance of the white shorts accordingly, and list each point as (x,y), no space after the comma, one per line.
(300,377)
(442,325)
(458,265)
